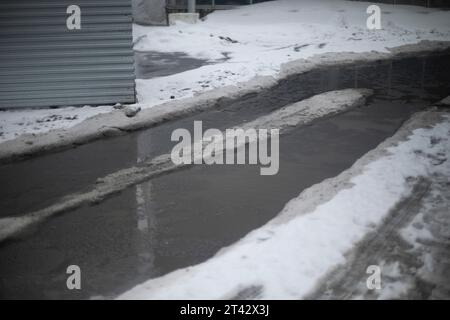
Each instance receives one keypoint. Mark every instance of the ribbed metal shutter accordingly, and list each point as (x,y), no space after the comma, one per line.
(43,64)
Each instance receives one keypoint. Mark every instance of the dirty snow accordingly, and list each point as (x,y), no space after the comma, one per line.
(249,41)
(286,258)
(422,271)
(14,123)
(412,248)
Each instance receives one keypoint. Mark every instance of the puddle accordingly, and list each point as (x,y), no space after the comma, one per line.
(185,217)
(36,183)
(152,64)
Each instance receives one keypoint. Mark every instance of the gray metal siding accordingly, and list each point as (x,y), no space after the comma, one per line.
(44,64)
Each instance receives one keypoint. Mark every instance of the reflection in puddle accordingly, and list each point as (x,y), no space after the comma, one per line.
(184,218)
(151,64)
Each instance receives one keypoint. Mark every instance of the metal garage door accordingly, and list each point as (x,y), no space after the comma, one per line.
(43,63)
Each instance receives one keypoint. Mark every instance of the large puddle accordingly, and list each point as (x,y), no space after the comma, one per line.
(185,217)
(36,183)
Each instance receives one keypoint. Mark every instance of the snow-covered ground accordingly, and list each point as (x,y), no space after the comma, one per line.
(17,122)
(249,41)
(258,39)
(411,247)
(287,258)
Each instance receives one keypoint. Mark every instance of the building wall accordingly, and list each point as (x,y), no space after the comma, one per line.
(44,63)
(149,12)
(153,12)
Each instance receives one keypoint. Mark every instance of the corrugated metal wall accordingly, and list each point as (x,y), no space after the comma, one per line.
(43,64)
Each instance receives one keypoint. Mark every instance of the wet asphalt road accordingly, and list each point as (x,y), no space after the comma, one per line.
(185,217)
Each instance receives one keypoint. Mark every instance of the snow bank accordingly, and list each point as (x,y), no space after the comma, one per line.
(287,257)
(14,123)
(252,41)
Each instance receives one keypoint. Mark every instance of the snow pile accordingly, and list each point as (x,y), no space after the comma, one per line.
(14,123)
(287,257)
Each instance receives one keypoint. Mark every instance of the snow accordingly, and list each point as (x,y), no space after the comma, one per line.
(418,252)
(12,225)
(258,39)
(14,123)
(414,232)
(252,41)
(289,256)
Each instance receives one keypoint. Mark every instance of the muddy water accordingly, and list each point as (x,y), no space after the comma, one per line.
(36,183)
(152,64)
(185,217)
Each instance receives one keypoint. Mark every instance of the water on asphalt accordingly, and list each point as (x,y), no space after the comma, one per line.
(185,217)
